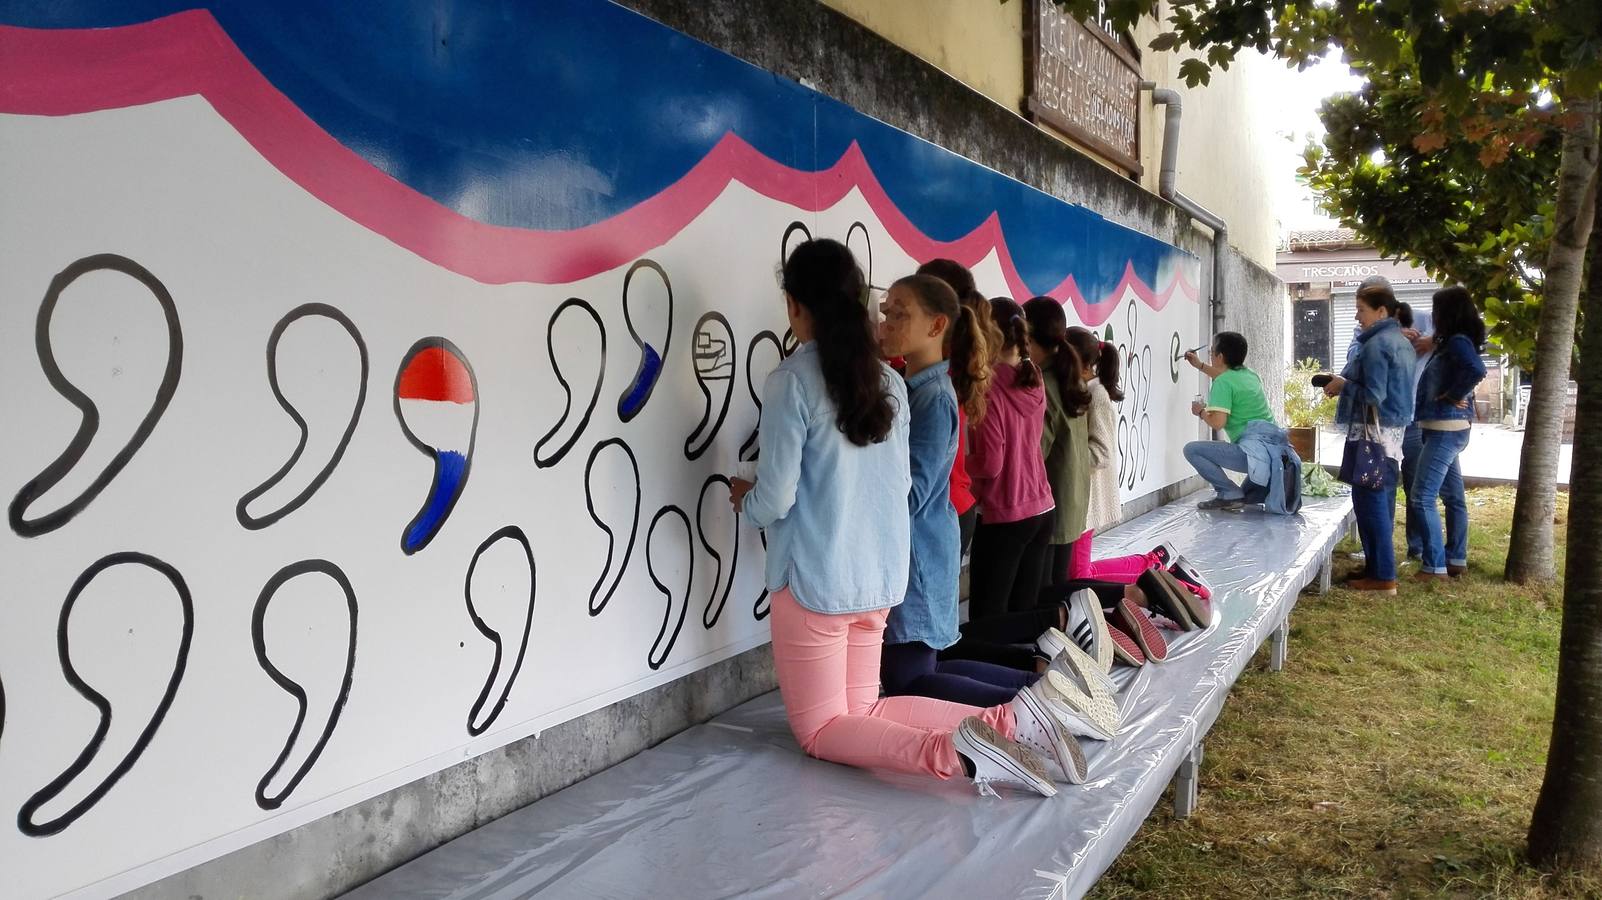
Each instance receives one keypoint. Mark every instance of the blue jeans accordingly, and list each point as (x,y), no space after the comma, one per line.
(1211,458)
(1440,476)
(1376,521)
(1412,445)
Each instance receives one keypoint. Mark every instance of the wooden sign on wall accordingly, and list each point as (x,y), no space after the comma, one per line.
(1084,83)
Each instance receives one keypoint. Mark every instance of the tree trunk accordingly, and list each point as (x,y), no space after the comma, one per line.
(1529,552)
(1566,830)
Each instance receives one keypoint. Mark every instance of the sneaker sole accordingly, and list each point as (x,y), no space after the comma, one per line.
(974,738)
(1160,591)
(1125,650)
(1185,569)
(1069,757)
(1055,643)
(1098,709)
(1194,606)
(1143,630)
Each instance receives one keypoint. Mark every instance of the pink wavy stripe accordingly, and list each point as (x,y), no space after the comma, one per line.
(55,72)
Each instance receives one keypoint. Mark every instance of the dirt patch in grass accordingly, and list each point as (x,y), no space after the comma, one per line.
(1397,755)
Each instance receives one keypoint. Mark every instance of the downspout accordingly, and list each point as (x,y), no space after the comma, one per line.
(1167,190)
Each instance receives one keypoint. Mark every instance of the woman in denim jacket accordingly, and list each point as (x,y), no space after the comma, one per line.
(1445,417)
(1376,404)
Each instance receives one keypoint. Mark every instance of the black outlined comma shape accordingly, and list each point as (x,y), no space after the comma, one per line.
(597,602)
(791,231)
(435,371)
(749,449)
(714,602)
(659,649)
(512,533)
(864,259)
(258,640)
(25,816)
(255,523)
(89,423)
(712,349)
(652,360)
(1175,355)
(541,458)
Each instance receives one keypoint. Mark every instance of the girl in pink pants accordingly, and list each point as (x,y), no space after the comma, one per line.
(1101,376)
(831,490)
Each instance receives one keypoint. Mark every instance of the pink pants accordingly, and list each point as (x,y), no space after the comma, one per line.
(1118,570)
(828,668)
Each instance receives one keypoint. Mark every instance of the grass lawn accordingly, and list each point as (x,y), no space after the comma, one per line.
(1397,755)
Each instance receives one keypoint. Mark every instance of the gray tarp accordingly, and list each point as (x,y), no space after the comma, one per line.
(733,809)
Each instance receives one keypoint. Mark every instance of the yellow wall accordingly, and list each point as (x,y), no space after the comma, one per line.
(978,42)
(1226,142)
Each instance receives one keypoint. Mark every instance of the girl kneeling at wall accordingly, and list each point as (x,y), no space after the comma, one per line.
(832,492)
(922,318)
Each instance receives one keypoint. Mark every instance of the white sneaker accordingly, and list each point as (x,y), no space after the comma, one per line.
(1040,731)
(1092,714)
(1053,644)
(1088,627)
(996,760)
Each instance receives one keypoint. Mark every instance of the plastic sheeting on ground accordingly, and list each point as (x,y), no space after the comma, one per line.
(733,809)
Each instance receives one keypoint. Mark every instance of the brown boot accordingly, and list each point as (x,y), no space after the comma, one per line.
(1373,585)
(1431,576)
(1456,571)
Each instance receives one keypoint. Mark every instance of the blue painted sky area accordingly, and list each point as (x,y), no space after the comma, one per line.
(571,111)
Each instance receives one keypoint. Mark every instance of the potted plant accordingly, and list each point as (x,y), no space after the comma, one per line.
(1306,408)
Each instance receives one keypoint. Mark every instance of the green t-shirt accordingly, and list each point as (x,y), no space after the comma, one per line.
(1239,392)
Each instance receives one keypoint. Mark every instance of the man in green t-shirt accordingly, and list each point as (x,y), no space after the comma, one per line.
(1236,400)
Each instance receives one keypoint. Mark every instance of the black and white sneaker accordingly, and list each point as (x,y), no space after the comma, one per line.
(1088,627)
(1042,732)
(1185,570)
(992,759)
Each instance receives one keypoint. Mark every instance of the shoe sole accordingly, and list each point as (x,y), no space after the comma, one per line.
(1185,569)
(974,738)
(1195,607)
(1125,650)
(1070,758)
(1054,643)
(1089,606)
(1161,592)
(1098,709)
(1143,630)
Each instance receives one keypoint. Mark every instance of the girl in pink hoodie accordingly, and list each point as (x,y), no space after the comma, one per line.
(1011,546)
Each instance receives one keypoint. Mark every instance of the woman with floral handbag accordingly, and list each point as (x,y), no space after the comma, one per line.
(1376,405)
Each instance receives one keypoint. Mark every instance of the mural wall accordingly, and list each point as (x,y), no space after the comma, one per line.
(371,387)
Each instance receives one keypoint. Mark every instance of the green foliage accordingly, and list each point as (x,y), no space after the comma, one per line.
(1469,199)
(1305,405)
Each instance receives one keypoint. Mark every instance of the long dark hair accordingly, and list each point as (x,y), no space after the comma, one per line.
(1088,346)
(1454,312)
(1015,336)
(965,341)
(823,277)
(1048,325)
(961,280)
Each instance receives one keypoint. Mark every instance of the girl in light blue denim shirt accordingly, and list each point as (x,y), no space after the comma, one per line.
(832,490)
(922,316)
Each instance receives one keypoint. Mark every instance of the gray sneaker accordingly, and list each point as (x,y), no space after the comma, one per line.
(1235,505)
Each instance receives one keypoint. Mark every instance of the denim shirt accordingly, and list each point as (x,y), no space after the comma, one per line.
(929,613)
(835,513)
(1451,375)
(1381,376)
